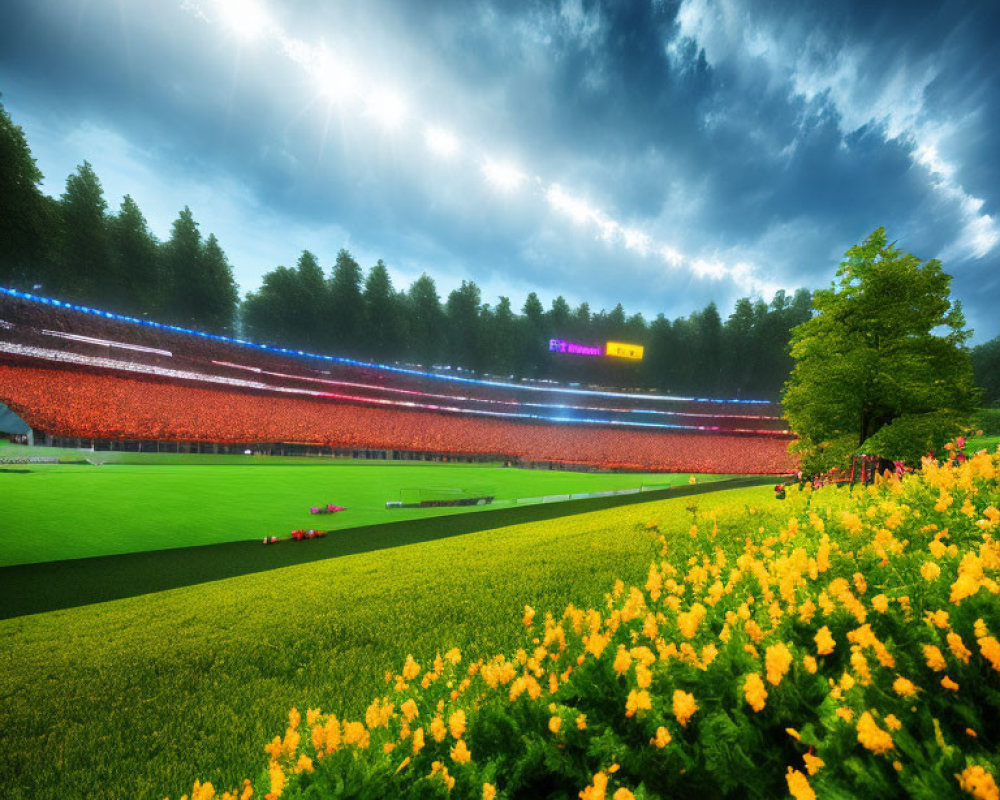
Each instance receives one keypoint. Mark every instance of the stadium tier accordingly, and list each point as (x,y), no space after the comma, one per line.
(82,373)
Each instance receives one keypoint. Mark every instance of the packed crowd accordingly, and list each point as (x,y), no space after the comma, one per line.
(95,405)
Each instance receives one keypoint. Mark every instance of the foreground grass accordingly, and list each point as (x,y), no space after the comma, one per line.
(133,698)
(73,511)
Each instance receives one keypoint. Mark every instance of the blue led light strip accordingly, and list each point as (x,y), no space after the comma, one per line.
(365,364)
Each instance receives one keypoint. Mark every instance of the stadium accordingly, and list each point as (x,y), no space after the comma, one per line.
(647,464)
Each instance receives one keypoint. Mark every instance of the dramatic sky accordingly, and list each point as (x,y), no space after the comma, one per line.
(661,154)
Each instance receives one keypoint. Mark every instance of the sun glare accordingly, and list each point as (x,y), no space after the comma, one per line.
(441,142)
(502,175)
(576,210)
(388,109)
(246,19)
(335,81)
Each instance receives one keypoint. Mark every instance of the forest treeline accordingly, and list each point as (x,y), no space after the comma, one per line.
(74,247)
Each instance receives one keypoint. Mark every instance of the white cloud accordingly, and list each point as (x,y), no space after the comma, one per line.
(893,100)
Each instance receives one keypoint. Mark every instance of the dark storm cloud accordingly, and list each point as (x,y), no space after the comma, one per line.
(775,135)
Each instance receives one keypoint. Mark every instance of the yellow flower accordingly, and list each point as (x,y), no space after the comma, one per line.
(596,644)
(410,669)
(662,738)
(813,763)
(637,701)
(437,768)
(456,724)
(845,714)
(688,621)
(871,736)
(403,765)
(754,691)
(460,753)
(777,660)
(438,729)
(418,740)
(529,616)
(939,618)
(623,794)
(990,649)
(880,603)
(904,687)
(935,660)
(810,664)
(684,706)
(555,723)
(892,722)
(312,715)
(851,522)
(798,785)
(409,709)
(948,683)
(581,722)
(597,788)
(277,777)
(304,764)
(958,648)
(489,791)
(930,570)
(622,660)
(294,718)
(975,780)
(824,641)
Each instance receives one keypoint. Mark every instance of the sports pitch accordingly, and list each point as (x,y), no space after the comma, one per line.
(69,511)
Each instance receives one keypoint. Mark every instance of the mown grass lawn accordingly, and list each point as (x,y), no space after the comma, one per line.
(65,511)
(138,697)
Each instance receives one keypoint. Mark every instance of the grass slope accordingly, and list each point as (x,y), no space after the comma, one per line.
(74,511)
(137,697)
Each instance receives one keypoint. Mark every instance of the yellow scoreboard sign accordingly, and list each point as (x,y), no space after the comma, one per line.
(622,350)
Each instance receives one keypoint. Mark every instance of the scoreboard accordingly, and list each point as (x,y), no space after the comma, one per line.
(612,349)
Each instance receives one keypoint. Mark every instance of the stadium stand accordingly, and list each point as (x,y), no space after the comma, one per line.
(85,374)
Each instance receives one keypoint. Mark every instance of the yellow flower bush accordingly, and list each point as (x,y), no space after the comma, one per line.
(838,643)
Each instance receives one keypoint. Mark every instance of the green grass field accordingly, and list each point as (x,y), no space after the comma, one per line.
(74,511)
(137,697)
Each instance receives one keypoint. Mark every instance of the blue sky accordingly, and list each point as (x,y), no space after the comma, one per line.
(660,154)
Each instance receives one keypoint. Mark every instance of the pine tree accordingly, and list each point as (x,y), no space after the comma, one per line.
(82,250)
(346,315)
(133,267)
(24,218)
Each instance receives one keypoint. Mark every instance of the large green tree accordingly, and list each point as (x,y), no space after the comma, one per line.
(882,365)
